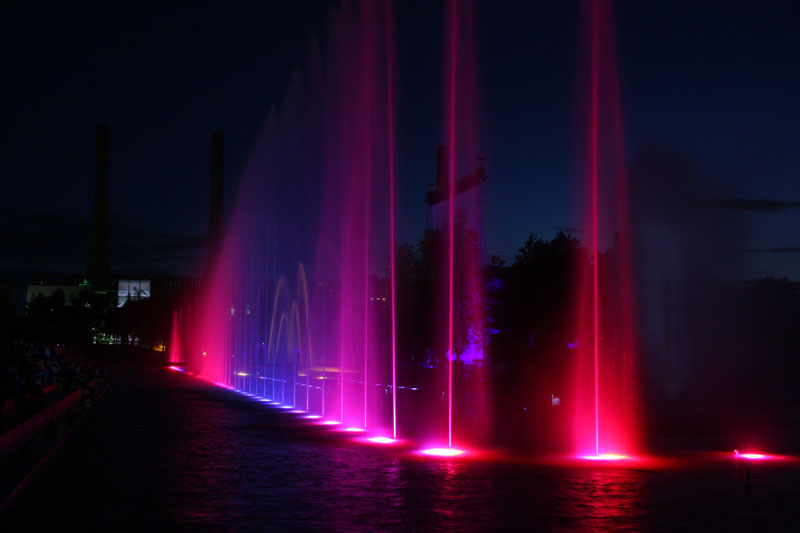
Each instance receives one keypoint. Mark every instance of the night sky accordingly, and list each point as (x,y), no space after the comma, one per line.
(716,80)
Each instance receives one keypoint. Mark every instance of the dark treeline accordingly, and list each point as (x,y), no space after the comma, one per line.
(83,320)
(737,343)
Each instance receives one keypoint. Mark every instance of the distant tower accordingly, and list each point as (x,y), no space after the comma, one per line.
(440,193)
(98,271)
(216,192)
(465,204)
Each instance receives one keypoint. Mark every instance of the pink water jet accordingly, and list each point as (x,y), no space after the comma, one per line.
(606,420)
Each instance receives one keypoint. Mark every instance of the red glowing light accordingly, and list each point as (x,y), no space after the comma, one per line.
(175,368)
(606,457)
(312,417)
(754,456)
(442,452)
(330,423)
(354,429)
(382,440)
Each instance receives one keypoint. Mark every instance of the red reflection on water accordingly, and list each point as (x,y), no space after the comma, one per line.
(605,499)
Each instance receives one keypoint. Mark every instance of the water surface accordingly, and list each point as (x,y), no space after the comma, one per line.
(164,449)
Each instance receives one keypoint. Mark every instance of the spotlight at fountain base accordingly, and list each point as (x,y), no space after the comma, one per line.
(606,457)
(382,440)
(442,452)
(752,456)
(354,430)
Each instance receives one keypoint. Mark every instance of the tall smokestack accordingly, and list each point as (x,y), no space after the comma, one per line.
(215,197)
(442,177)
(98,270)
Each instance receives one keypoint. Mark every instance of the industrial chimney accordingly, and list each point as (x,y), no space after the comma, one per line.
(442,173)
(215,210)
(98,271)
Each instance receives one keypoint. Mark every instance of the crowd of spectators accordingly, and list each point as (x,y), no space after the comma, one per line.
(35,375)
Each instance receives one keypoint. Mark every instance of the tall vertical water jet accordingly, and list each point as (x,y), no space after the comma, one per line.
(175,355)
(451,219)
(606,420)
(392,234)
(460,209)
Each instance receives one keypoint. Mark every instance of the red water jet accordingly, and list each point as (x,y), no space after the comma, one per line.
(608,423)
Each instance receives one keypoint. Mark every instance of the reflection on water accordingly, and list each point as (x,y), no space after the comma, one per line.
(169,450)
(606,499)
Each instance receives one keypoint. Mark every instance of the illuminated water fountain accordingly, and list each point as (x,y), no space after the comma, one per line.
(606,384)
(300,304)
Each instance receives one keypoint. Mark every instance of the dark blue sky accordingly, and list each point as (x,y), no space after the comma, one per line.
(716,80)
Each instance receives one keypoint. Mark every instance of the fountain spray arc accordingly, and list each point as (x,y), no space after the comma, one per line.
(300,303)
(606,391)
(296,307)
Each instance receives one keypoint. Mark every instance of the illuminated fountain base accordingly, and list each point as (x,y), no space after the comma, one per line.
(755,456)
(364,436)
(382,440)
(606,457)
(442,452)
